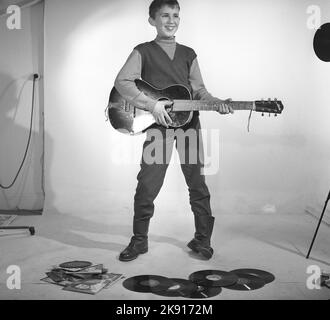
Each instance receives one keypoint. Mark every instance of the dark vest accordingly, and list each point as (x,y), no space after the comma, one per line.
(160,71)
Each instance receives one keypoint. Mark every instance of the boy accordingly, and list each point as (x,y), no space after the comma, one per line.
(164,62)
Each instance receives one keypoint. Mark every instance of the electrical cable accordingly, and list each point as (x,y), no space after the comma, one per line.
(35,77)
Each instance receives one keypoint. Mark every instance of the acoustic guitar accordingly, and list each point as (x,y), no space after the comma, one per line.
(125,117)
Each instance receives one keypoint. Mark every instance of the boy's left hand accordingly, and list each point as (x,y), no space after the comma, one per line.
(224,106)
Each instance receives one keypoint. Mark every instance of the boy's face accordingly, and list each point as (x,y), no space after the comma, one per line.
(166,21)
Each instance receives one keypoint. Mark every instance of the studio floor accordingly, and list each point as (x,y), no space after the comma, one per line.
(274,242)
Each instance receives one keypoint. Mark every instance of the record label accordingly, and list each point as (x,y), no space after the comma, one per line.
(213,278)
(203,292)
(264,275)
(179,288)
(247,282)
(147,283)
(151,283)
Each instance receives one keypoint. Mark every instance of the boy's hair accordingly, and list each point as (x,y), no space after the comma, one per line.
(158,4)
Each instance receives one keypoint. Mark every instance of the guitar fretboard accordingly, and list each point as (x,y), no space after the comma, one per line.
(200,105)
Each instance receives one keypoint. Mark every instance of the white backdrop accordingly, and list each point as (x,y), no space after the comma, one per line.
(247,50)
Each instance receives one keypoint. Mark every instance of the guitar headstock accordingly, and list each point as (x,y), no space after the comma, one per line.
(269,106)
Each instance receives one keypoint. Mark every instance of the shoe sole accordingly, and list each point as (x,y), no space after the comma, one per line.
(197,249)
(206,253)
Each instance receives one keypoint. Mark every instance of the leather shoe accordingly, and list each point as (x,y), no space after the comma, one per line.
(132,251)
(198,247)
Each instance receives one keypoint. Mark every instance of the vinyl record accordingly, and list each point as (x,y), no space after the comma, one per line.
(321,42)
(75,264)
(147,283)
(264,275)
(203,292)
(247,282)
(213,278)
(179,288)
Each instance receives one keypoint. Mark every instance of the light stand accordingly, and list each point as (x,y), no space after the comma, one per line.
(317,229)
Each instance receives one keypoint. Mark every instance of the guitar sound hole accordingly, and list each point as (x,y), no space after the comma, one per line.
(179,118)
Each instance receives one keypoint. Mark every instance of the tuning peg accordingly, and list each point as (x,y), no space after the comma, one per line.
(275,115)
(262,114)
(275,99)
(269,114)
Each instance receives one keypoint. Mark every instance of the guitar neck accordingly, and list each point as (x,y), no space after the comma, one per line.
(203,105)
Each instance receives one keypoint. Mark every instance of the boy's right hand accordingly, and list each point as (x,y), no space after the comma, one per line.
(160,114)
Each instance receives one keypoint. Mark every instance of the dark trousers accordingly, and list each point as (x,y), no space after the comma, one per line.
(151,176)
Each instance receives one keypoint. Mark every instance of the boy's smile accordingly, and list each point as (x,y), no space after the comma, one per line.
(166,21)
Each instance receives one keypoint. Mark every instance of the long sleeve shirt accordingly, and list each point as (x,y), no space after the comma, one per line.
(131,71)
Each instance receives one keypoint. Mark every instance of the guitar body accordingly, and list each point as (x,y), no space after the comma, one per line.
(128,119)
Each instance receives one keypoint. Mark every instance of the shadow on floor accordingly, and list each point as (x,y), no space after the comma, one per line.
(65,228)
(289,234)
